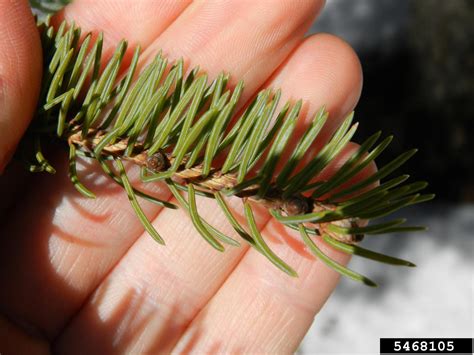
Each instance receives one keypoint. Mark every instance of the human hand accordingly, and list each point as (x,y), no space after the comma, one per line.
(82,276)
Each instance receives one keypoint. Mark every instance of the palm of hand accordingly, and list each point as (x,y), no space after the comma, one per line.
(83,276)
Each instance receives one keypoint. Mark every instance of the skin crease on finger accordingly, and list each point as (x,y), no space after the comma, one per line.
(75,252)
(156,287)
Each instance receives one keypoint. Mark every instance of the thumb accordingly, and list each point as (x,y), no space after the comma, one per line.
(20,73)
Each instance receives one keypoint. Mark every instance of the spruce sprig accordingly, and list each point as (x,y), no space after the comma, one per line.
(175,125)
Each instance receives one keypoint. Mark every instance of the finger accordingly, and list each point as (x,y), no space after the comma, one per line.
(312,69)
(259,309)
(20,73)
(73,241)
(325,72)
(338,91)
(245,38)
(189,260)
(139,22)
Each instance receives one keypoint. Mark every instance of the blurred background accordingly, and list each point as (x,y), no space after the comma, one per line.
(418,62)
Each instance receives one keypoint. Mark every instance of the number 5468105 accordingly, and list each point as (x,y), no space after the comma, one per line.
(423,345)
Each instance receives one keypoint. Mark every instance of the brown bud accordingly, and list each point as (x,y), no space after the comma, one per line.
(296,205)
(157,162)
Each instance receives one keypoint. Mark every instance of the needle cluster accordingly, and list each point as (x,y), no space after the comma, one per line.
(183,130)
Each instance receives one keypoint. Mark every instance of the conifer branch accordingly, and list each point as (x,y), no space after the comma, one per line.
(174,127)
